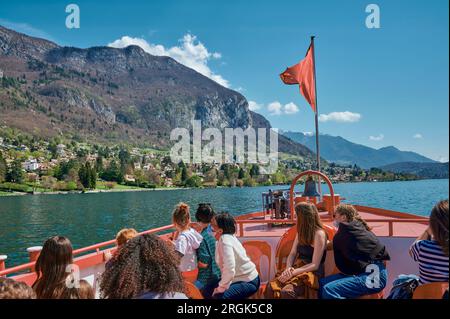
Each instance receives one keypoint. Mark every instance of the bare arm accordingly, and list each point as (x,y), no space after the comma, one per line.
(291,258)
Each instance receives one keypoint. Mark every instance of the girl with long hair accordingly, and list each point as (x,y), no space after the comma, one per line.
(307,255)
(52,269)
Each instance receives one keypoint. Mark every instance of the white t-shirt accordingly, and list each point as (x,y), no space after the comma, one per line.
(187,243)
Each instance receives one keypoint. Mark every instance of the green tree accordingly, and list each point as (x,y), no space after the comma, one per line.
(15,173)
(193,181)
(184,174)
(241,174)
(254,171)
(99,164)
(3,168)
(113,173)
(88,176)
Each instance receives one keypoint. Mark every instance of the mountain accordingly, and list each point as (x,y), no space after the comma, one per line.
(424,170)
(339,150)
(112,95)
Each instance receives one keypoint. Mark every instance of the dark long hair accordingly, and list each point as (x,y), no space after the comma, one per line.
(439,224)
(144,264)
(51,269)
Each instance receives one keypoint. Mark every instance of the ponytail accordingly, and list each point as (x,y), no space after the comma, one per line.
(181,215)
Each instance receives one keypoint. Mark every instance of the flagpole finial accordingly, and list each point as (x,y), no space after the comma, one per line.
(312,37)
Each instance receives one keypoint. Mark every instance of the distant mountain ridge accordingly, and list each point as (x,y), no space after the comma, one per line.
(114,95)
(424,170)
(341,151)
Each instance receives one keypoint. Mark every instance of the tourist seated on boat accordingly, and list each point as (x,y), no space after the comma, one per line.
(359,257)
(239,277)
(146,267)
(11,289)
(188,240)
(55,280)
(430,250)
(305,263)
(122,237)
(208,271)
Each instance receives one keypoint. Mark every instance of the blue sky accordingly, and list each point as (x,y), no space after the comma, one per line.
(392,81)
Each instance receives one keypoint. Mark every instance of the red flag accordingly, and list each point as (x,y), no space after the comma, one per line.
(303,74)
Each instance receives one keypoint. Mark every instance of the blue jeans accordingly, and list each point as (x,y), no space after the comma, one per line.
(342,286)
(208,288)
(240,290)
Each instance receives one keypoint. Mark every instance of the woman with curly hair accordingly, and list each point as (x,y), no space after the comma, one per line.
(146,267)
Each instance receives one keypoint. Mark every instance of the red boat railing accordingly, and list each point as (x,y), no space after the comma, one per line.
(76,252)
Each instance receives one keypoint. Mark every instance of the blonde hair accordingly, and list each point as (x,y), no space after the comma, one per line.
(351,214)
(125,235)
(85,291)
(181,215)
(308,222)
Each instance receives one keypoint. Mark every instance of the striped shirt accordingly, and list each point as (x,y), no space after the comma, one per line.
(433,263)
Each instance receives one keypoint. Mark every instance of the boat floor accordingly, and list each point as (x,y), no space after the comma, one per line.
(380,228)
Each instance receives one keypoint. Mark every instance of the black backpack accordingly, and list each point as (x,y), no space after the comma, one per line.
(404,290)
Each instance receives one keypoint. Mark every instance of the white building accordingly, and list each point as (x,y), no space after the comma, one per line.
(31,165)
(60,149)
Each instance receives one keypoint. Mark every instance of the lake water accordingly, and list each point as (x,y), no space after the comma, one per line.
(91,218)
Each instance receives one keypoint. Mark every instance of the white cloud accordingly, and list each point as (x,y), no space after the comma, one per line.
(308,133)
(418,136)
(376,138)
(443,159)
(189,52)
(253,106)
(290,108)
(340,117)
(275,108)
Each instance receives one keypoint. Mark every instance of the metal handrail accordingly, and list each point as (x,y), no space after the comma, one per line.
(95,247)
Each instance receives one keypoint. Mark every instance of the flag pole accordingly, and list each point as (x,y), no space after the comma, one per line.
(316,111)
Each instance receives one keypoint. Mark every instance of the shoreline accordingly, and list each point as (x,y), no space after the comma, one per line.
(98,191)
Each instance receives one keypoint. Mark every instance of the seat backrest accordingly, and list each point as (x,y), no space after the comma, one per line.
(192,292)
(284,247)
(190,276)
(434,290)
(331,231)
(256,249)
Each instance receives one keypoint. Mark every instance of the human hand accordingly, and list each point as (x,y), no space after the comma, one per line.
(107,255)
(286,275)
